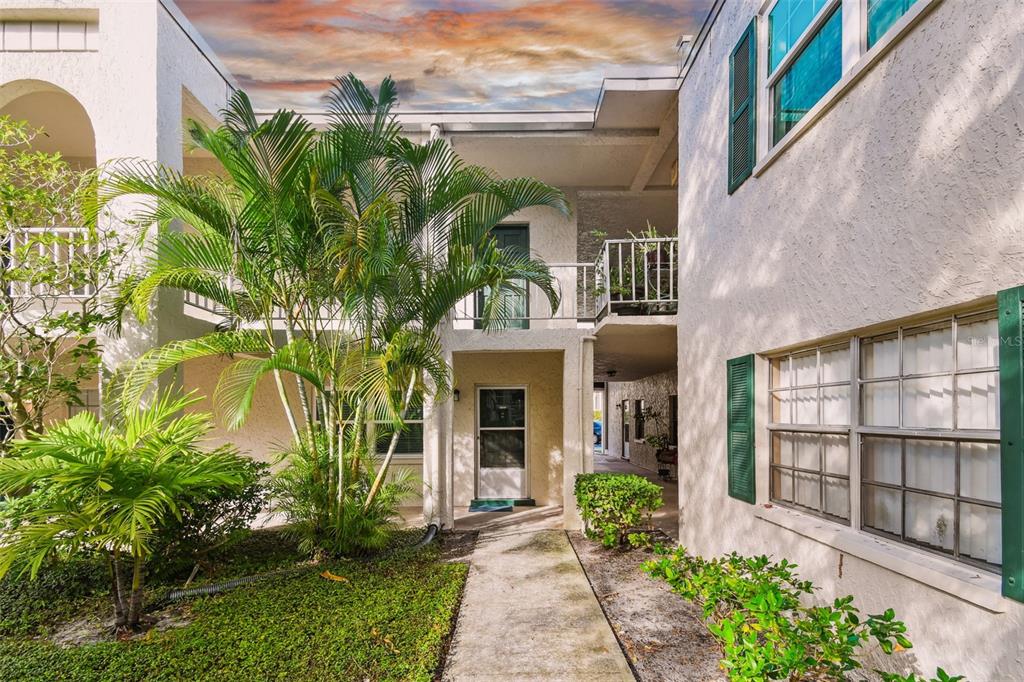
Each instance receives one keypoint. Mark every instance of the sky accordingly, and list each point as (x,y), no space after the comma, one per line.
(499,55)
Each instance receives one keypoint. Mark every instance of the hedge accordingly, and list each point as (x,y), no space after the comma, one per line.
(616,508)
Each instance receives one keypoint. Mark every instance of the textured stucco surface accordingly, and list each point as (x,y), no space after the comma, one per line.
(905,198)
(655,391)
(541,373)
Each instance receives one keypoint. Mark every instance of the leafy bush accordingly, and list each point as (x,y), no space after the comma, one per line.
(108,488)
(616,508)
(65,590)
(211,520)
(753,606)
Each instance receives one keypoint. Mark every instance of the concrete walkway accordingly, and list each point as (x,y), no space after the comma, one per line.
(529,613)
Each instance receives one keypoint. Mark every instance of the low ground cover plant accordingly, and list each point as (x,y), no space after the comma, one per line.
(616,508)
(375,620)
(756,608)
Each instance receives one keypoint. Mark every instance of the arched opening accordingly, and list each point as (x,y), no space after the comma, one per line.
(65,124)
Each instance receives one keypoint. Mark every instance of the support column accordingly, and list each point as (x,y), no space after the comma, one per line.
(577,406)
(437,448)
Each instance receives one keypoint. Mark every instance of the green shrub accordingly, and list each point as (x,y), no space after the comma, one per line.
(617,508)
(753,606)
(210,520)
(320,525)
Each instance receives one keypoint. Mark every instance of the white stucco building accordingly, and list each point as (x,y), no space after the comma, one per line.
(836,191)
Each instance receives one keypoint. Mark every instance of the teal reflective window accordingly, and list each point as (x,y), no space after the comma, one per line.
(818,67)
(882,14)
(786,22)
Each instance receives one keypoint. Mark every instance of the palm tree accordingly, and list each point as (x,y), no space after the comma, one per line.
(356,242)
(109,490)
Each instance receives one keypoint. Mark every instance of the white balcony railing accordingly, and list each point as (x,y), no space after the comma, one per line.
(60,245)
(639,276)
(630,277)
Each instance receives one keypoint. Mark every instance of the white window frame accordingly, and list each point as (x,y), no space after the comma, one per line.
(857,431)
(371,435)
(857,60)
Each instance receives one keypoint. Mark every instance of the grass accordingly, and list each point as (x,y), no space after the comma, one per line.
(387,620)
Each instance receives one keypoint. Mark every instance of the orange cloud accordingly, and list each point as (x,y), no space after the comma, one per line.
(449,53)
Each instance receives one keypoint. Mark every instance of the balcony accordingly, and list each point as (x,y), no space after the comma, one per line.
(31,247)
(631,277)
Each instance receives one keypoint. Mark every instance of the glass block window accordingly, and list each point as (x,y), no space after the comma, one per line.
(90,398)
(882,14)
(940,376)
(810,393)
(818,67)
(786,23)
(942,495)
(926,478)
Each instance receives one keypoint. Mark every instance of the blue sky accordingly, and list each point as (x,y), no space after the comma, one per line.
(445,54)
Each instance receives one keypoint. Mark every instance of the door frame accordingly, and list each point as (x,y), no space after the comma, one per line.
(624,432)
(526,434)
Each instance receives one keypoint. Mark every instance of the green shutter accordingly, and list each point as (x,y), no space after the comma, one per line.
(740,425)
(742,98)
(1011,419)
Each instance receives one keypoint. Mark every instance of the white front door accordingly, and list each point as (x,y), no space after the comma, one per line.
(501,443)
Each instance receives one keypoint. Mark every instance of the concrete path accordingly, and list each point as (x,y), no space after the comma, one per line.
(529,613)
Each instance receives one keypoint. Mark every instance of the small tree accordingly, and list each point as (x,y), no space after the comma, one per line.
(56,269)
(111,490)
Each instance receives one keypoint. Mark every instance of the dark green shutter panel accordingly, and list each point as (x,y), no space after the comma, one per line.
(742,97)
(740,424)
(1011,420)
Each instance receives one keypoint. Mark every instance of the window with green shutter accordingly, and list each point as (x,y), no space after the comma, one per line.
(1011,418)
(742,97)
(740,426)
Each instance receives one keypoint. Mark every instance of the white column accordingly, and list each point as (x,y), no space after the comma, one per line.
(437,496)
(577,405)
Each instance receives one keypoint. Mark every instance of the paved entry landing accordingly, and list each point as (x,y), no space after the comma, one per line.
(528,613)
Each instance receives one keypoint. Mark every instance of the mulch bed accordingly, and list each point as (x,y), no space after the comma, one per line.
(662,634)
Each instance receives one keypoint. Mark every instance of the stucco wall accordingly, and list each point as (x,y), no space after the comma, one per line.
(904,198)
(541,373)
(655,391)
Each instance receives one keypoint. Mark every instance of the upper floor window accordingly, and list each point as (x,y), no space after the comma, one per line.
(786,23)
(882,14)
(800,81)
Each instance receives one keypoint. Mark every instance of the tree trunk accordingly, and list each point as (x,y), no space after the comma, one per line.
(135,607)
(391,447)
(120,610)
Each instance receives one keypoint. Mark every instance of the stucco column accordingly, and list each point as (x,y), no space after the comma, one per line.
(587,402)
(437,497)
(574,448)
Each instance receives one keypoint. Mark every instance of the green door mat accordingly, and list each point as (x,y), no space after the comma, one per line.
(500,505)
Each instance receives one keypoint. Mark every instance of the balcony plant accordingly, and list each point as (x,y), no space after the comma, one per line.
(641,282)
